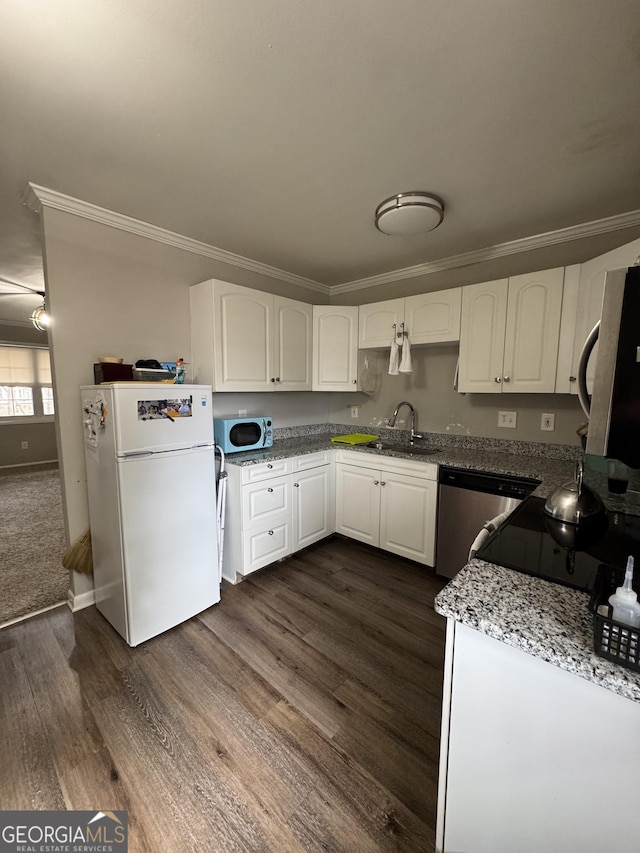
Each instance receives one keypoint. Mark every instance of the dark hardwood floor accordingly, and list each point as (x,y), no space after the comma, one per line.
(302,713)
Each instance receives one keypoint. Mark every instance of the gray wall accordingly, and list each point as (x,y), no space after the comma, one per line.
(41,436)
(441,409)
(287,408)
(42,443)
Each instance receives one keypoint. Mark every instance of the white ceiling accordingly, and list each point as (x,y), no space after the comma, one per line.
(273,129)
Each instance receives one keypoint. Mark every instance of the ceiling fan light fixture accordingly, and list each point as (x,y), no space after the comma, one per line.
(41,318)
(409,213)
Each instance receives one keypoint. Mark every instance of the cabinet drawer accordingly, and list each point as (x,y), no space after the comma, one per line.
(262,502)
(265,545)
(310,460)
(265,470)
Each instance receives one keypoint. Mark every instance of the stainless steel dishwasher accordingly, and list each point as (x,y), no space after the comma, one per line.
(467,500)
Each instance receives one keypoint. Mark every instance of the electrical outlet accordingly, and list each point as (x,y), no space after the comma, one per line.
(24,445)
(355,411)
(548,422)
(507,419)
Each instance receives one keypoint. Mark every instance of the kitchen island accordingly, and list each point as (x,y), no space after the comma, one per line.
(540,744)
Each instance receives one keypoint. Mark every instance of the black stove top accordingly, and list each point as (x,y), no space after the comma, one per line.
(528,541)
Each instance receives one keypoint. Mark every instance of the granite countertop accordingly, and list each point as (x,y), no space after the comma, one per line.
(543,619)
(551,472)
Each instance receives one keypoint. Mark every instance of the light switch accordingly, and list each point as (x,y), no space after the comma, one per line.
(507,419)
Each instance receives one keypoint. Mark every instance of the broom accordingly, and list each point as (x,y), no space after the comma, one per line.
(78,557)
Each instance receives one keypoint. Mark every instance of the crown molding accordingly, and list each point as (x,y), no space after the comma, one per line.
(501,250)
(36,197)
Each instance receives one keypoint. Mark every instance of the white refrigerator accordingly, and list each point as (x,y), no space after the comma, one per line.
(152,504)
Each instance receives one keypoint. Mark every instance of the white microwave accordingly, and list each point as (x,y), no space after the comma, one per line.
(235,434)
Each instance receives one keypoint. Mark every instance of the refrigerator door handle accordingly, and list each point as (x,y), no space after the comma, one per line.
(136,454)
(583,394)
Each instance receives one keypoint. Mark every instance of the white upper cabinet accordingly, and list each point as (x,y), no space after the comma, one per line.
(246,340)
(433,318)
(509,334)
(243,342)
(378,322)
(293,323)
(590,291)
(335,348)
(564,371)
(482,331)
(429,318)
(533,331)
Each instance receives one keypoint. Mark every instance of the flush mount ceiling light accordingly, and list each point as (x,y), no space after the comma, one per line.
(409,213)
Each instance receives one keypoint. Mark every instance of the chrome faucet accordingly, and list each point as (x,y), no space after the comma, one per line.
(392,420)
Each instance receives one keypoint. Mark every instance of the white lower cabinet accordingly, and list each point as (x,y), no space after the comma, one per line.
(390,506)
(277,508)
(274,509)
(407,517)
(263,546)
(313,506)
(358,503)
(532,758)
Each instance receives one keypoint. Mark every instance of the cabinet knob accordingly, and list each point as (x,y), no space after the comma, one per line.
(507,379)
(382,483)
(572,379)
(271,533)
(277,379)
(269,489)
(354,381)
(269,465)
(272,379)
(497,379)
(376,482)
(296,485)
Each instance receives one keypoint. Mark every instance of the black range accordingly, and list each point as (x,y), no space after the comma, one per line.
(528,541)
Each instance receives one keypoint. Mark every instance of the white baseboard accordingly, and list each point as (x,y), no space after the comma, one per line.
(81,600)
(31,615)
(28,464)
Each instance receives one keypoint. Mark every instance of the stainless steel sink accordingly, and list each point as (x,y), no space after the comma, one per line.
(413,449)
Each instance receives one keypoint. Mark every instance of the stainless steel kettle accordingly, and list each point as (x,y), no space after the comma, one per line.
(575,502)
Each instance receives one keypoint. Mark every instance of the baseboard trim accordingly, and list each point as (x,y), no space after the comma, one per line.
(31,615)
(80,601)
(29,464)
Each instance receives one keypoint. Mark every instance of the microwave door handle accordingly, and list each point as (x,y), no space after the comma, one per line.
(264,432)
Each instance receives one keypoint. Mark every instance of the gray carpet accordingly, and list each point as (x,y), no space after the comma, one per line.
(32,542)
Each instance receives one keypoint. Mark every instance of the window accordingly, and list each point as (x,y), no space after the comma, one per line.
(25,382)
